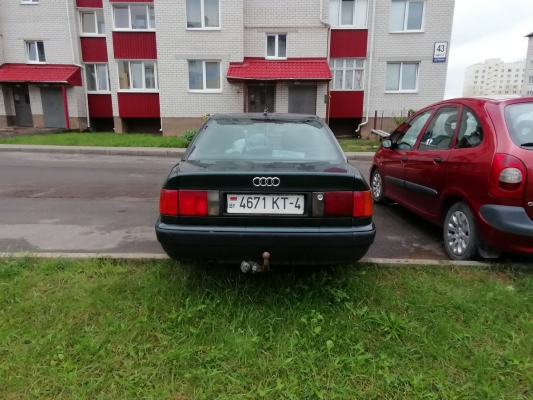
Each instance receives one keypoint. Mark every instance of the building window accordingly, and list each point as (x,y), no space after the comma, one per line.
(29,1)
(203,14)
(276,46)
(347,73)
(406,15)
(137,75)
(531,79)
(97,76)
(530,93)
(205,76)
(402,77)
(92,22)
(531,64)
(350,13)
(35,52)
(134,17)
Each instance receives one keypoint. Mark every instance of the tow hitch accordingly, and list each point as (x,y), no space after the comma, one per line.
(255,268)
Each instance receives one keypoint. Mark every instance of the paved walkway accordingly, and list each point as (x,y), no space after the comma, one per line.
(126,151)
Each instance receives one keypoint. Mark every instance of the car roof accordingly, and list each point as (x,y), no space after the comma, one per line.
(269,116)
(497,99)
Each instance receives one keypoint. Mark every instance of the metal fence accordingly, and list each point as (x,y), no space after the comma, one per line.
(388,120)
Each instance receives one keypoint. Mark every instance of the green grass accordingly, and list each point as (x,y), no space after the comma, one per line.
(124,330)
(99,139)
(356,145)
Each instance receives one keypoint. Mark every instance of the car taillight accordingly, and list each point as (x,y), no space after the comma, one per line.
(168,202)
(347,204)
(507,177)
(193,202)
(362,204)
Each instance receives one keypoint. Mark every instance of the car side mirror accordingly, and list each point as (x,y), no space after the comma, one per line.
(386,144)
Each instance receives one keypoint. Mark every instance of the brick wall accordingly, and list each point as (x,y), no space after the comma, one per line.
(528,87)
(176,44)
(413,47)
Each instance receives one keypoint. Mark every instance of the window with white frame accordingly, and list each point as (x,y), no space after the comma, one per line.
(97,77)
(406,15)
(347,73)
(134,17)
(276,46)
(92,22)
(137,75)
(531,79)
(35,52)
(204,76)
(29,1)
(530,93)
(348,13)
(402,77)
(203,14)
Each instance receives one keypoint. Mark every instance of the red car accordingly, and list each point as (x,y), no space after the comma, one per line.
(466,165)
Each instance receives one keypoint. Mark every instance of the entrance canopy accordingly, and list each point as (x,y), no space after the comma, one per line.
(29,73)
(295,69)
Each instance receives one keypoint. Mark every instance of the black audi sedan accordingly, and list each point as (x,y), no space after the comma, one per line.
(265,189)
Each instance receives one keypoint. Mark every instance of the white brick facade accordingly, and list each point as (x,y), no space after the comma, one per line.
(408,47)
(528,85)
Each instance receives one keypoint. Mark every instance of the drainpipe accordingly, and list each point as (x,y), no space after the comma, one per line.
(328,55)
(65,105)
(371,60)
(84,77)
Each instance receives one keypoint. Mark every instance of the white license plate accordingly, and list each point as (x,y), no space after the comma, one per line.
(286,204)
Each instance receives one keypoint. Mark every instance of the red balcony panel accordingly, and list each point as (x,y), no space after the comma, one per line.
(346,104)
(89,3)
(348,43)
(93,49)
(100,106)
(138,105)
(134,45)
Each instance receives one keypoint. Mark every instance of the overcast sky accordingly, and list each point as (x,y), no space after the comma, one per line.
(485,29)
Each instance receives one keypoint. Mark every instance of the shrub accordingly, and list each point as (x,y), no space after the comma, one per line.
(189,135)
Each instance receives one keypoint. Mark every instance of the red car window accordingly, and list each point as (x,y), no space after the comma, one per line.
(441,130)
(470,130)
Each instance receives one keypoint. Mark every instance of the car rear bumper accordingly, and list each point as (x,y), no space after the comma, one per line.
(293,246)
(507,228)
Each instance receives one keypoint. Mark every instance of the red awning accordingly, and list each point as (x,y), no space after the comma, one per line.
(286,70)
(28,73)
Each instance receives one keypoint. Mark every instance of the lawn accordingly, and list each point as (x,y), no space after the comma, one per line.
(358,145)
(99,139)
(124,330)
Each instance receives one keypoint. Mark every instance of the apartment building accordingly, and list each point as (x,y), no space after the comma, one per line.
(527,89)
(494,77)
(160,65)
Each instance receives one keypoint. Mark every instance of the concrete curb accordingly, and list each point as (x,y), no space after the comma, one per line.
(391,262)
(127,151)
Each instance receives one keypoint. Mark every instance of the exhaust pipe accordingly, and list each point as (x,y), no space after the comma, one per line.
(255,268)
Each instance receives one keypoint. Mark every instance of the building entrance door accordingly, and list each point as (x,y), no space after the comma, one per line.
(302,99)
(21,98)
(261,97)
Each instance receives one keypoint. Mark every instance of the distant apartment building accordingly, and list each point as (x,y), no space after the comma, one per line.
(527,89)
(494,77)
(160,65)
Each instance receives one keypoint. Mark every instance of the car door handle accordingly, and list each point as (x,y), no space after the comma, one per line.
(438,159)
(404,159)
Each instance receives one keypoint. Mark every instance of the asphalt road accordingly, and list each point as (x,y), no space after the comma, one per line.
(109,204)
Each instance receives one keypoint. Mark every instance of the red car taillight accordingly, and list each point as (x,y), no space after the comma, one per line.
(362,204)
(347,204)
(168,202)
(189,202)
(193,202)
(507,177)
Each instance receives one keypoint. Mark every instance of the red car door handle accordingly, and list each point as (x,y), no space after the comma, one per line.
(404,159)
(437,159)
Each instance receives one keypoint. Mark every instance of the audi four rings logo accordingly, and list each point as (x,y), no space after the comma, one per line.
(266,181)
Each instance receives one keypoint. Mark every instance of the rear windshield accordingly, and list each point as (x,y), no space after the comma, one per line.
(519,119)
(265,140)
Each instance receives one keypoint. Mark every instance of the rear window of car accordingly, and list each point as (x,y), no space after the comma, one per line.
(519,120)
(265,140)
